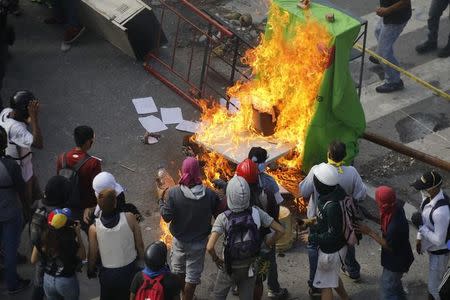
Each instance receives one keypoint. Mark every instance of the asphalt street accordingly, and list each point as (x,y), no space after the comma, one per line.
(94,83)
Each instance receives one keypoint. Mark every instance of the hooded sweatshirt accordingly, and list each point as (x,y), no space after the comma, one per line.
(189,211)
(327,233)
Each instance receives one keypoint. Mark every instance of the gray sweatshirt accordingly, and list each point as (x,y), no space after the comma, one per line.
(189,211)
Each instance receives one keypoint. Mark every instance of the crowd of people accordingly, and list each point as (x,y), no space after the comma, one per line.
(242,212)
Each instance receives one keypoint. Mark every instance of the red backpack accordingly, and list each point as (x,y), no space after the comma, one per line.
(151,288)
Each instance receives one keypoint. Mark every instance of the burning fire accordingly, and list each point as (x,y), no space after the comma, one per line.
(287,74)
(165,237)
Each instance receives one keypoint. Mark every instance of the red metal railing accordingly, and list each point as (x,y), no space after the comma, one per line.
(199,72)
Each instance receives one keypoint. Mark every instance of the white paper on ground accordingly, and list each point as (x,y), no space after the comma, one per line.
(145,105)
(152,124)
(171,115)
(152,140)
(188,126)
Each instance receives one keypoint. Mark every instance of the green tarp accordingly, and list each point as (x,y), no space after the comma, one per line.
(339,114)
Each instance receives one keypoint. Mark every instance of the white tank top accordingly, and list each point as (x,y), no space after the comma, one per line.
(116,245)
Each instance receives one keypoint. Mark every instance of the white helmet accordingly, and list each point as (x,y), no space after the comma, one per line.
(326,174)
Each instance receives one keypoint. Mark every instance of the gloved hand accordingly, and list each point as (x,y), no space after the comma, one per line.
(416,219)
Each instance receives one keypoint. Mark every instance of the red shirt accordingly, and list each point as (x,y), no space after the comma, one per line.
(86,174)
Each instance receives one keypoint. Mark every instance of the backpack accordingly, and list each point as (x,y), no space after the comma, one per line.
(151,288)
(37,226)
(442,202)
(71,173)
(349,218)
(243,238)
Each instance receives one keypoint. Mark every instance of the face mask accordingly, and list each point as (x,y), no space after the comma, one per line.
(425,194)
(261,167)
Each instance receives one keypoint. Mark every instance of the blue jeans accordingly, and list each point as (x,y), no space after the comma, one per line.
(387,35)
(68,9)
(313,256)
(10,232)
(351,264)
(437,7)
(391,286)
(61,288)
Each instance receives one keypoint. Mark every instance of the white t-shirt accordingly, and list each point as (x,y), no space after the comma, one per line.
(19,142)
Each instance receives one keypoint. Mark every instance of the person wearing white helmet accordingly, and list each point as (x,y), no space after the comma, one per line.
(105,180)
(328,233)
(350,180)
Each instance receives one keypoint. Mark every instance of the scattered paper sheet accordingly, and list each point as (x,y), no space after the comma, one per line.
(152,124)
(171,115)
(188,126)
(145,105)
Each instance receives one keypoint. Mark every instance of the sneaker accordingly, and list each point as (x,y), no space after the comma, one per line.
(356,278)
(72,34)
(314,291)
(23,285)
(444,52)
(390,87)
(374,60)
(426,47)
(281,294)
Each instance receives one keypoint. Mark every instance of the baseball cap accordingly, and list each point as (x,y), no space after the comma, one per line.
(427,181)
(105,180)
(58,218)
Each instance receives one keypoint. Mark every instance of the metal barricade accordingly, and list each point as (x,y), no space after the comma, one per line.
(207,62)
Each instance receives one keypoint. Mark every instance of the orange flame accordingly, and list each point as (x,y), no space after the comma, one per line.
(287,73)
(165,236)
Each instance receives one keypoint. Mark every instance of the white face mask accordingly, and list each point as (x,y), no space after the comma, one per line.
(425,194)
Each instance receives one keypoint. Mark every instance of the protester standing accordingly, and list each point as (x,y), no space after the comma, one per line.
(24,111)
(432,223)
(55,197)
(105,180)
(263,189)
(60,253)
(156,276)
(396,253)
(240,272)
(67,12)
(12,187)
(117,237)
(394,16)
(437,8)
(350,180)
(189,209)
(328,232)
(86,167)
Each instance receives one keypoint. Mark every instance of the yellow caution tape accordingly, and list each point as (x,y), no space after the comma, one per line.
(437,91)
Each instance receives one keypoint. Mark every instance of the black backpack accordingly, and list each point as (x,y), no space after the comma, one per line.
(71,173)
(242,237)
(37,226)
(442,202)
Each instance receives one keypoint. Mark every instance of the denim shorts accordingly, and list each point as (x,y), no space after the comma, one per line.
(188,258)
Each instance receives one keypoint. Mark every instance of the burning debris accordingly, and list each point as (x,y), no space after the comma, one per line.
(279,101)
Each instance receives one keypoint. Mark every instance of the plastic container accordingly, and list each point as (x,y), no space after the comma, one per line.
(285,219)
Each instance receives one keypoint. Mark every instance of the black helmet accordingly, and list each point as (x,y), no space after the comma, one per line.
(57,191)
(19,102)
(155,256)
